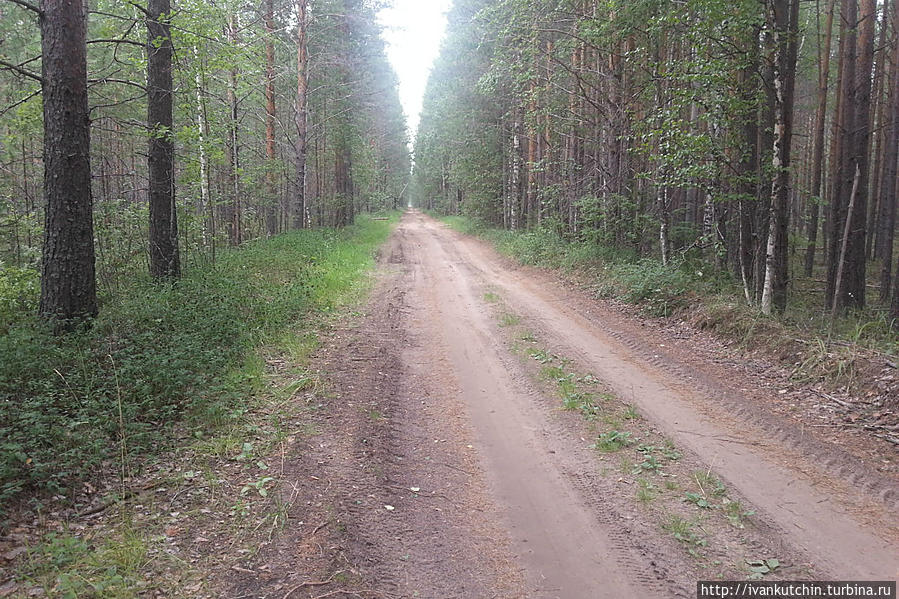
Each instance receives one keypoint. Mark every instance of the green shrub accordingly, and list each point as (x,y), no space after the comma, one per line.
(19,293)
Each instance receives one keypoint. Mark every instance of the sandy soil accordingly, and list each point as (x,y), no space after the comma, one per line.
(443,468)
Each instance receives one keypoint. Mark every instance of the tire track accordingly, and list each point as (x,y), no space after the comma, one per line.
(749,448)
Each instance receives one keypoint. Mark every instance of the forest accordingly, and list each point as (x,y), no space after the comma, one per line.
(142,144)
(274,119)
(758,138)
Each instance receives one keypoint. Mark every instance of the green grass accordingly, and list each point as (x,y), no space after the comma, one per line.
(74,567)
(507,319)
(646,490)
(682,530)
(613,441)
(659,289)
(711,297)
(709,484)
(162,354)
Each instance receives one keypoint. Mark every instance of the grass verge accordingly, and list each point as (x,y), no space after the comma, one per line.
(207,493)
(851,353)
(78,408)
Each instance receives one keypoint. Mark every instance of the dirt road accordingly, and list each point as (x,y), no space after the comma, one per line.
(454,472)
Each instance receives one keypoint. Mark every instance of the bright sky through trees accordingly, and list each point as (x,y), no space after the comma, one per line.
(413,30)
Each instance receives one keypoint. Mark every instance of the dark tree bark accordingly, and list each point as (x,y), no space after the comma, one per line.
(894,306)
(343,215)
(68,279)
(164,259)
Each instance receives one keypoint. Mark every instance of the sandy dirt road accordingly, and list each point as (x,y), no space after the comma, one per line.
(475,484)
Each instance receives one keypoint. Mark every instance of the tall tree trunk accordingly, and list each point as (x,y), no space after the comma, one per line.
(342,186)
(164,259)
(515,202)
(817,189)
(844,246)
(748,170)
(887,220)
(533,132)
(273,204)
(234,217)
(299,203)
(785,21)
(844,129)
(878,130)
(68,278)
(855,277)
(762,225)
(207,205)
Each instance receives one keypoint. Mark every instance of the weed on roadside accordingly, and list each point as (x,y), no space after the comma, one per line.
(709,484)
(507,319)
(683,531)
(646,490)
(735,513)
(613,441)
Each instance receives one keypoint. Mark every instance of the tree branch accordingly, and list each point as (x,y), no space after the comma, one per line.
(119,103)
(21,71)
(20,102)
(140,8)
(109,14)
(116,41)
(28,5)
(122,81)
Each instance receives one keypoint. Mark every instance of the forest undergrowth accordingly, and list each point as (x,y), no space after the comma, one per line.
(843,353)
(159,359)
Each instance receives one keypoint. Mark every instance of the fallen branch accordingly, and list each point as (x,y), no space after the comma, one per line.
(845,404)
(888,438)
(319,527)
(106,505)
(129,494)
